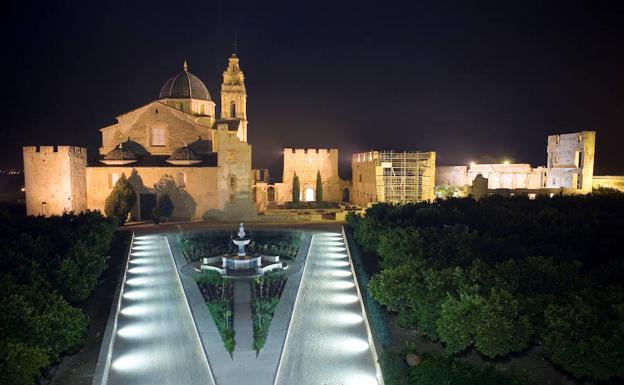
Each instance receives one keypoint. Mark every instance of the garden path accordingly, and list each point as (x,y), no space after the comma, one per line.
(327,341)
(155,341)
(243,326)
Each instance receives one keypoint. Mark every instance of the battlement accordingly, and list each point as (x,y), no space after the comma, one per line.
(301,151)
(579,137)
(45,150)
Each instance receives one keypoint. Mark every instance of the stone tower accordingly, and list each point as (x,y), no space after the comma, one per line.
(55,179)
(234,95)
(571,160)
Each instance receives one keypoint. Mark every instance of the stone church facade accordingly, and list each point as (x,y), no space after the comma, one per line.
(175,145)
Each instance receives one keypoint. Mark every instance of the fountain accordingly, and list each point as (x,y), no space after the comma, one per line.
(241,264)
(241,261)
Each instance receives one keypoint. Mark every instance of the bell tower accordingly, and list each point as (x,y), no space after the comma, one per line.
(234,96)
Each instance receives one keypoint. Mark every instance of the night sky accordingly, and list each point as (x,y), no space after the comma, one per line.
(480,81)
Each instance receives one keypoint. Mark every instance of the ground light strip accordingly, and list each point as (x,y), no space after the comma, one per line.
(188,307)
(109,354)
(294,308)
(371,342)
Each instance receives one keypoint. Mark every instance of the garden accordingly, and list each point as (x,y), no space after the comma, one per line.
(501,280)
(265,295)
(218,292)
(195,246)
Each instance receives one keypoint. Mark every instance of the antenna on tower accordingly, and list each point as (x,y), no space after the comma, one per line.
(234,45)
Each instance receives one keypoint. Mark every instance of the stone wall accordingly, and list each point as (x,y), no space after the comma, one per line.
(179,129)
(499,175)
(364,182)
(192,189)
(609,181)
(571,160)
(54,179)
(306,163)
(235,177)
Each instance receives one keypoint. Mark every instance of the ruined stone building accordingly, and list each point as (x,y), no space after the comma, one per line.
(174,145)
(569,169)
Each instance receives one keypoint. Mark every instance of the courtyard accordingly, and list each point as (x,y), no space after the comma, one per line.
(160,330)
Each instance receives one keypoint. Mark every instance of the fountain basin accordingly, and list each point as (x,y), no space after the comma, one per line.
(236,262)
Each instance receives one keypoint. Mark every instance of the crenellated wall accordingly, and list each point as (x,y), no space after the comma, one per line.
(306,163)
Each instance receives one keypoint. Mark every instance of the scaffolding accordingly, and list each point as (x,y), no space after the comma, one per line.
(403,177)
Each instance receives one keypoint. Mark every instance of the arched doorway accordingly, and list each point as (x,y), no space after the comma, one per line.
(271,194)
(345,195)
(308,194)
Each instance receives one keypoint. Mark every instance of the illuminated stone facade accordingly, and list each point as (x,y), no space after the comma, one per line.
(395,177)
(570,168)
(174,145)
(609,181)
(54,179)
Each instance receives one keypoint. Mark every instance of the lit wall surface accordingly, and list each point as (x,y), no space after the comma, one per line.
(327,342)
(156,341)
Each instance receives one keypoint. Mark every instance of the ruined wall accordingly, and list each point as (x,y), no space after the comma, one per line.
(452,175)
(192,189)
(54,175)
(499,175)
(571,160)
(306,163)
(609,181)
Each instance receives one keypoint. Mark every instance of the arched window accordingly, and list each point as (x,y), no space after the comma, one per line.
(232,109)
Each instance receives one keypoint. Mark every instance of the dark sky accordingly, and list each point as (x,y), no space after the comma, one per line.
(471,80)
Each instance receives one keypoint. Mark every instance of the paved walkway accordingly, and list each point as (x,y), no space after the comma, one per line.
(243,326)
(328,340)
(156,340)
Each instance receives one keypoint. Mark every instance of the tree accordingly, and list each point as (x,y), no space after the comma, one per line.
(319,187)
(121,200)
(586,336)
(295,189)
(398,246)
(164,208)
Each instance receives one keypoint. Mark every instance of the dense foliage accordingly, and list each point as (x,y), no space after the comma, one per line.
(121,200)
(265,295)
(437,369)
(502,274)
(218,292)
(46,266)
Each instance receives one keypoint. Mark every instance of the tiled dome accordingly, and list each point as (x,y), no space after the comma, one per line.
(184,156)
(201,146)
(119,155)
(184,85)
